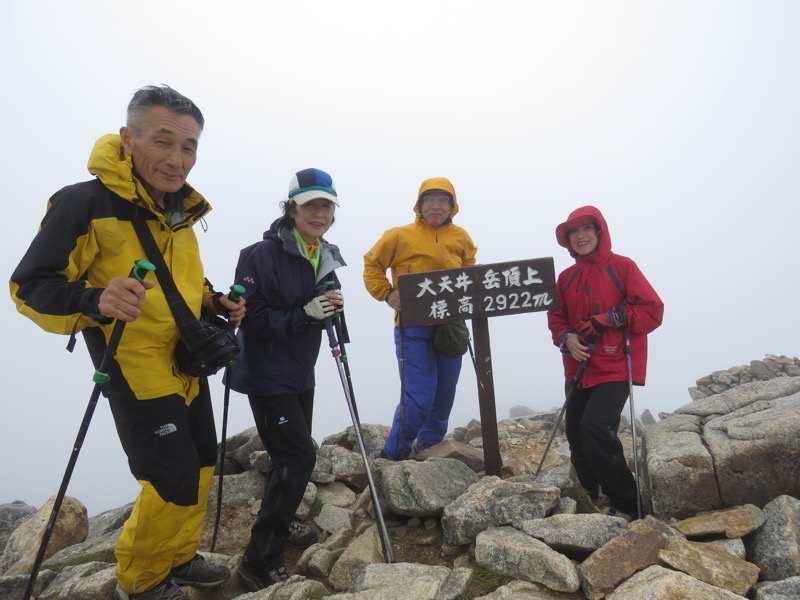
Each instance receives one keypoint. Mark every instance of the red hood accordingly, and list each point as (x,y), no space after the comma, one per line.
(582,216)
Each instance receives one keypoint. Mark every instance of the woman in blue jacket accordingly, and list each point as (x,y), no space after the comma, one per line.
(285,276)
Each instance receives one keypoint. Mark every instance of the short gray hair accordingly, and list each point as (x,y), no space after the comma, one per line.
(161,95)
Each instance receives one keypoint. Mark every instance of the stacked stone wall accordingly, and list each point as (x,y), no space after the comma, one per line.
(769,367)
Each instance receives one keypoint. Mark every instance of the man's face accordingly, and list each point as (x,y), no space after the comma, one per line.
(435,208)
(163,148)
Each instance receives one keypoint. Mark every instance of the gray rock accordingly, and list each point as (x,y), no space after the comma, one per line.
(574,533)
(449,448)
(510,552)
(348,466)
(241,488)
(622,556)
(108,521)
(658,582)
(11,515)
(337,494)
(776,546)
(788,589)
(680,469)
(333,518)
(735,546)
(363,550)
(751,457)
(71,527)
(442,581)
(374,437)
(422,489)
(733,522)
(711,564)
(493,502)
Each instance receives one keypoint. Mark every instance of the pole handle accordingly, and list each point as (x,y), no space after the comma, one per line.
(140,269)
(333,343)
(234,295)
(329,286)
(337,319)
(236,292)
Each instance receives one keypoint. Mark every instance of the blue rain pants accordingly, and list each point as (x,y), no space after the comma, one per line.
(428,388)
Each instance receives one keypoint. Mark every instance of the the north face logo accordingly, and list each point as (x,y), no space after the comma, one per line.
(166,429)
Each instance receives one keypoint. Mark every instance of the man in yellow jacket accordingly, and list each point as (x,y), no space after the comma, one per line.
(73,278)
(428,378)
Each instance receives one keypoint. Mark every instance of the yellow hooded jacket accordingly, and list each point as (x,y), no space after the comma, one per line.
(86,238)
(418,247)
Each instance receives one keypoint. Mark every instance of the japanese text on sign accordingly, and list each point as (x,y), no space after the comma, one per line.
(492,290)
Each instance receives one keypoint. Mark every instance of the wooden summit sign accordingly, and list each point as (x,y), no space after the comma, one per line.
(494,290)
(478,292)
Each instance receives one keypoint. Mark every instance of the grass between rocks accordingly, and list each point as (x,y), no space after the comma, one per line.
(483,582)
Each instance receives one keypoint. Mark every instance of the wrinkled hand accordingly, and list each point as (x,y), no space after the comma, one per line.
(319,308)
(336,298)
(578,349)
(393,299)
(122,298)
(233,311)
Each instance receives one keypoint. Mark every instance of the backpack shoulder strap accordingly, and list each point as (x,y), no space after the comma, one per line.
(615,280)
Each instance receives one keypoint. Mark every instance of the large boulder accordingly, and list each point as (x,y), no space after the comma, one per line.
(725,450)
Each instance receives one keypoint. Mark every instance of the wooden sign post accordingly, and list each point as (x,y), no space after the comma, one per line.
(477,293)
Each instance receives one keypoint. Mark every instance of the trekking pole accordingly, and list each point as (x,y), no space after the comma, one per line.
(572,385)
(633,423)
(472,356)
(402,338)
(139,271)
(234,295)
(336,341)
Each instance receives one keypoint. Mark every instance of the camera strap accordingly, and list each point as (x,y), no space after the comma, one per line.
(189,327)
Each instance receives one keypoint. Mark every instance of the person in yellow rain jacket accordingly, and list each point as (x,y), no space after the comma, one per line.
(73,277)
(428,378)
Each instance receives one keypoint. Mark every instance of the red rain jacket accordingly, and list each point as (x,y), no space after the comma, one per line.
(594,284)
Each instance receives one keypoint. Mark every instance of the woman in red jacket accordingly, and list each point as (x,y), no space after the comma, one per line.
(599,297)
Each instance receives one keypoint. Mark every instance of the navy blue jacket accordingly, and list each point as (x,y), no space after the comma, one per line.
(279,343)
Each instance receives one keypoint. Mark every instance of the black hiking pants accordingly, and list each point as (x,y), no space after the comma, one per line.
(284,426)
(592,422)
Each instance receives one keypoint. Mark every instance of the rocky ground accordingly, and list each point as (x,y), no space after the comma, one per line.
(457,534)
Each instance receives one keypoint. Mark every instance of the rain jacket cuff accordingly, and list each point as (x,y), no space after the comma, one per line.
(90,301)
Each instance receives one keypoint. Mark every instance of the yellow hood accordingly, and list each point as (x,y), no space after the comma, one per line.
(109,162)
(437,183)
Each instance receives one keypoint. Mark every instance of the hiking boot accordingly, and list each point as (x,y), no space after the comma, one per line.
(593,492)
(199,573)
(415,451)
(257,579)
(166,590)
(613,512)
(301,536)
